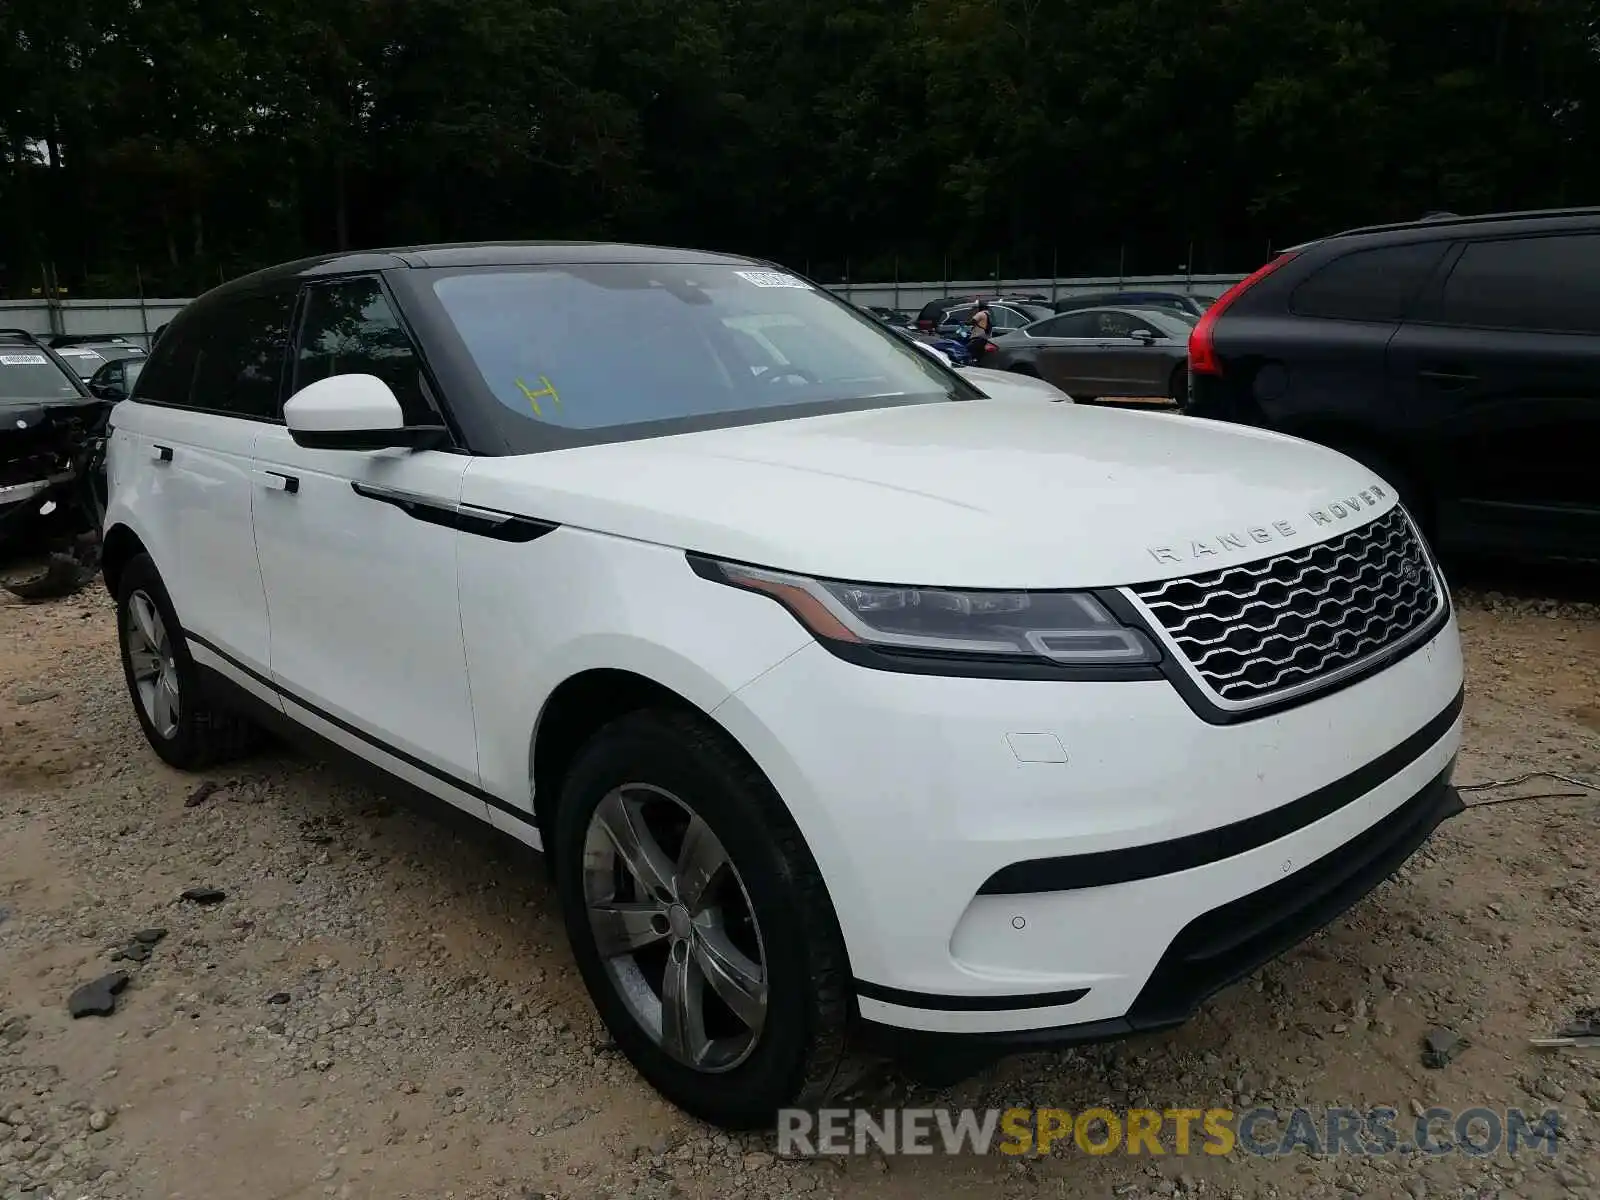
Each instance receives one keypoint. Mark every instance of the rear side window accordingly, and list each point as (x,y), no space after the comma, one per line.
(1550,284)
(350,328)
(1368,285)
(1073,325)
(239,360)
(169,370)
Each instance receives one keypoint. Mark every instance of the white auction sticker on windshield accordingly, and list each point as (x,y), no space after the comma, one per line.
(772,279)
(24,360)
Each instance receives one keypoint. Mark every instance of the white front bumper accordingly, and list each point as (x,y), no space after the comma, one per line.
(912,792)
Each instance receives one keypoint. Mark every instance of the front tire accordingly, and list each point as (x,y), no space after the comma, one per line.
(181,725)
(699,921)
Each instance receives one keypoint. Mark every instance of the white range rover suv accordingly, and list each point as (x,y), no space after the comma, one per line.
(852,707)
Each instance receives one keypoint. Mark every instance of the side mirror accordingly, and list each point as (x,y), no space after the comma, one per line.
(1143,335)
(354,412)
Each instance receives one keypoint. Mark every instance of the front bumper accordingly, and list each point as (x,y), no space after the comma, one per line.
(19,501)
(1029,862)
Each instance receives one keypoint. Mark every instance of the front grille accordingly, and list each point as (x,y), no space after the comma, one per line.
(1255,632)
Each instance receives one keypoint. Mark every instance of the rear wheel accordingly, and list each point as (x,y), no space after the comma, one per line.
(179,722)
(699,921)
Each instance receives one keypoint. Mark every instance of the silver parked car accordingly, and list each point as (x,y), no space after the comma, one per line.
(1102,352)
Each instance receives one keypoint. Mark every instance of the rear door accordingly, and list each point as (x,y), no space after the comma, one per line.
(190,435)
(1068,352)
(1314,361)
(1500,372)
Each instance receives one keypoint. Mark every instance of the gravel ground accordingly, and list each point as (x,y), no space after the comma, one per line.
(383,1004)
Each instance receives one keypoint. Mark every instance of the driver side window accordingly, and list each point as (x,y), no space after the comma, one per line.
(349,328)
(1071,325)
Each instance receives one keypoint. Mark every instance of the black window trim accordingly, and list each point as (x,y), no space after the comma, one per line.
(208,313)
(1428,303)
(432,393)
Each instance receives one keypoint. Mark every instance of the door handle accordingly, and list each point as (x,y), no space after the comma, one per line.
(1450,379)
(161,453)
(277,481)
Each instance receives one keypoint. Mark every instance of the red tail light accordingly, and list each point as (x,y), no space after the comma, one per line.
(990,347)
(1203,358)
(924,324)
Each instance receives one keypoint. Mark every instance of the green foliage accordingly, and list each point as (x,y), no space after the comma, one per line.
(170,143)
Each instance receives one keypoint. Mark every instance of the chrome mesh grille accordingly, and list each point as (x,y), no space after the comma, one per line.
(1255,631)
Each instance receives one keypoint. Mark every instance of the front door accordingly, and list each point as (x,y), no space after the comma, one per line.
(1126,365)
(358,555)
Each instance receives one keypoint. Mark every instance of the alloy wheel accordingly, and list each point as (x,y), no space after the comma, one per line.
(674,927)
(155,672)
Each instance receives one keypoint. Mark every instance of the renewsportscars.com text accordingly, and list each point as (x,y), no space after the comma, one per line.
(1261,1132)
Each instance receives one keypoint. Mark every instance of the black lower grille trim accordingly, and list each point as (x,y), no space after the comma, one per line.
(1226,944)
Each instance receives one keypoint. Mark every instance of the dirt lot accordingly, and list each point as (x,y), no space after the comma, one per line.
(383,1005)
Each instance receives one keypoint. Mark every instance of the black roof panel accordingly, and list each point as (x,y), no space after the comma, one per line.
(469,254)
(1559,217)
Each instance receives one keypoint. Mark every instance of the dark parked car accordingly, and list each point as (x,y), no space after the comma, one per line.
(1102,352)
(892,317)
(936,312)
(47,419)
(1458,357)
(1006,315)
(1184,302)
(114,380)
(86,355)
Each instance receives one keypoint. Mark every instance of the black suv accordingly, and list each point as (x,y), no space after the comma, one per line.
(47,420)
(1457,356)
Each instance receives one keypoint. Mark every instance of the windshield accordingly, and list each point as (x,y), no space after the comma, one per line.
(585,353)
(30,375)
(82,360)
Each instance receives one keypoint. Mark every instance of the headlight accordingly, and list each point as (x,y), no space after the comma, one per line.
(1070,628)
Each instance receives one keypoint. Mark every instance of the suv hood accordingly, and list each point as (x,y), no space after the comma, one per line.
(964,494)
(32,409)
(1007,385)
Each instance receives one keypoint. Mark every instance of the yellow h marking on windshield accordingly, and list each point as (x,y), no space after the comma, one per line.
(549,389)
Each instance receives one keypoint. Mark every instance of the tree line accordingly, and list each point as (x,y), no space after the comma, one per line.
(165,144)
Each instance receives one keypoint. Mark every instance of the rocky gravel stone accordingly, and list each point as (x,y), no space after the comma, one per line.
(98,998)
